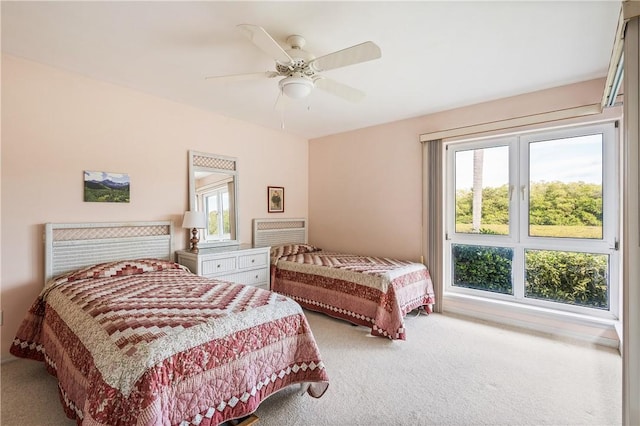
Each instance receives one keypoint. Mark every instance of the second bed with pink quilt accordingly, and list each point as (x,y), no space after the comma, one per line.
(376,292)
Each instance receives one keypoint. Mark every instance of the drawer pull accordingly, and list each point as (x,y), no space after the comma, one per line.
(256,277)
(253,260)
(218,265)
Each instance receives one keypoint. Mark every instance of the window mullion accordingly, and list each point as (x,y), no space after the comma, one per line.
(519,205)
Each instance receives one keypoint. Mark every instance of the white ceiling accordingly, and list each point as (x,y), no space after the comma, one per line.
(435,55)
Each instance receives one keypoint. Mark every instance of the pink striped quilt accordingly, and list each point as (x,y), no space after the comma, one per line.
(372,291)
(146,342)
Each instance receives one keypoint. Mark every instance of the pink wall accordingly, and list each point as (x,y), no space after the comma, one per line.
(365,190)
(56,124)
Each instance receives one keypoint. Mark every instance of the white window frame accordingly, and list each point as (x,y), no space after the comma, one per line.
(518,238)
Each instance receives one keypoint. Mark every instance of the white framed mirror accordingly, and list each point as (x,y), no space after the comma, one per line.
(213,188)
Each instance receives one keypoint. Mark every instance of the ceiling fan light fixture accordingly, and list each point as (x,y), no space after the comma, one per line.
(296,87)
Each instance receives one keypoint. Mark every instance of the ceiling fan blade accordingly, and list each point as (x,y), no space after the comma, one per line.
(362,52)
(338,89)
(242,77)
(265,42)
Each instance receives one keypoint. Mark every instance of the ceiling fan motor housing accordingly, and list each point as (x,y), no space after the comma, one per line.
(300,59)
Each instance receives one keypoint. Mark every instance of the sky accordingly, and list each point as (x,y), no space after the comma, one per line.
(100,176)
(567,160)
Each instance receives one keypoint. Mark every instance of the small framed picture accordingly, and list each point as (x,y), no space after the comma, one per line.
(275,199)
(106,187)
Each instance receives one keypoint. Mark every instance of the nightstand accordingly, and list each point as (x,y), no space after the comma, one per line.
(242,264)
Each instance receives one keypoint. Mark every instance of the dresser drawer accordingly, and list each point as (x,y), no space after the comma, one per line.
(219,265)
(258,276)
(242,264)
(255,260)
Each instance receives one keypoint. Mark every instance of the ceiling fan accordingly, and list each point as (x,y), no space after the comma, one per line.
(301,69)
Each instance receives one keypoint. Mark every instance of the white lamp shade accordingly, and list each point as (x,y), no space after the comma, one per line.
(194,220)
(296,87)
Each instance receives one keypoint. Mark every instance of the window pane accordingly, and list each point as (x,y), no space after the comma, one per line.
(568,277)
(212,211)
(565,181)
(225,214)
(482,191)
(482,268)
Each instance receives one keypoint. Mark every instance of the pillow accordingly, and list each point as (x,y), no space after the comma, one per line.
(290,249)
(119,268)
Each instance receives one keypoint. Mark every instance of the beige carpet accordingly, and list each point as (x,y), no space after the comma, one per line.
(450,371)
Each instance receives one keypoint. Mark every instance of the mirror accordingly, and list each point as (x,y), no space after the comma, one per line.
(213,188)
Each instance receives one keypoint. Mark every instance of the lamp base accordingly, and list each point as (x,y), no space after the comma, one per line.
(194,241)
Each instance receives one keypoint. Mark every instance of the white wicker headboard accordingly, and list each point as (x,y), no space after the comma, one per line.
(271,232)
(70,246)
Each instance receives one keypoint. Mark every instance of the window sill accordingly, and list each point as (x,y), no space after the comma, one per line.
(579,327)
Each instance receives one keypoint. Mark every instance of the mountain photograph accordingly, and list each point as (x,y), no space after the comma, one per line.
(106,187)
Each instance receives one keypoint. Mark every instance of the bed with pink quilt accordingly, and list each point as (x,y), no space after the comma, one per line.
(147,342)
(371,291)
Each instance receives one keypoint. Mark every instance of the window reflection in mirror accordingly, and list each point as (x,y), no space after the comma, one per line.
(213,188)
(212,196)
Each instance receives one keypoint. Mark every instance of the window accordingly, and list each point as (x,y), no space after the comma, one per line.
(533,219)
(215,201)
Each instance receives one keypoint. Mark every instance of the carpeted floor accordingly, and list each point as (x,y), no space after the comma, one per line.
(449,371)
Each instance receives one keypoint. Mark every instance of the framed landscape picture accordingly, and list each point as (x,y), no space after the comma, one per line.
(275,199)
(106,187)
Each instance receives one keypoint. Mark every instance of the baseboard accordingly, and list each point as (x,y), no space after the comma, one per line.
(570,326)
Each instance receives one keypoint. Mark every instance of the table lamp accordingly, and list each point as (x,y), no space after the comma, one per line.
(194,221)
